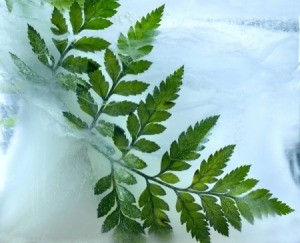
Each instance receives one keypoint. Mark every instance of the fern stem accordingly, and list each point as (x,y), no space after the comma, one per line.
(174,188)
(62,57)
(111,92)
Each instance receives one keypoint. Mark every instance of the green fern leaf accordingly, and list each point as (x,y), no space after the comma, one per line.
(97,24)
(122,108)
(139,39)
(127,88)
(187,146)
(146,146)
(123,176)
(210,169)
(59,22)
(130,210)
(107,129)
(138,67)
(153,128)
(130,225)
(106,204)
(91,44)
(154,109)
(124,195)
(71,81)
(231,180)
(61,45)
(120,139)
(103,185)
(26,71)
(195,221)
(99,84)
(261,204)
(111,221)
(64,4)
(214,214)
(169,178)
(112,65)
(231,212)
(134,162)
(86,101)
(243,187)
(79,64)
(76,17)
(133,125)
(39,47)
(76,121)
(153,209)
(94,9)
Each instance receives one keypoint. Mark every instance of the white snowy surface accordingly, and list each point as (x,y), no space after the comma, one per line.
(248,75)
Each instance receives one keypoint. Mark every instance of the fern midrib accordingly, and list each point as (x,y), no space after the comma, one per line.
(104,103)
(174,188)
(62,57)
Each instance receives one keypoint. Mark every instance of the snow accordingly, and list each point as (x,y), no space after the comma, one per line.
(241,61)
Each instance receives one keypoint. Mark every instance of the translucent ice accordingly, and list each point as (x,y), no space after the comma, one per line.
(241,62)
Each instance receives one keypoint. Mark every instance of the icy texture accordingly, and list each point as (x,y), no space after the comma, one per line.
(241,62)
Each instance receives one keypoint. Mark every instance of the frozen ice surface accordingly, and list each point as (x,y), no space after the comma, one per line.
(241,61)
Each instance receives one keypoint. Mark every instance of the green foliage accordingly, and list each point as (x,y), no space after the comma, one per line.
(39,47)
(59,22)
(212,200)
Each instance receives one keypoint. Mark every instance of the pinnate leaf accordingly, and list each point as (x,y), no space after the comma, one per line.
(99,84)
(131,226)
(76,121)
(103,185)
(94,9)
(127,88)
(59,22)
(106,129)
(243,187)
(137,42)
(79,64)
(134,162)
(61,45)
(214,214)
(111,221)
(232,179)
(154,109)
(169,178)
(146,146)
(153,209)
(112,65)
(138,67)
(130,210)
(106,204)
(71,81)
(91,44)
(231,212)
(120,139)
(156,190)
(97,24)
(121,108)
(190,215)
(76,17)
(86,101)
(123,176)
(153,128)
(39,47)
(125,195)
(25,70)
(210,169)
(133,125)
(261,203)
